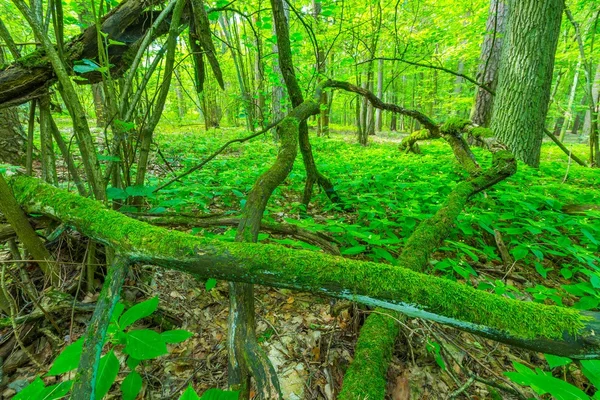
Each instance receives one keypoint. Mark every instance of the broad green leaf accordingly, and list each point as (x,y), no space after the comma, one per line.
(210,284)
(31,391)
(354,250)
(218,394)
(57,391)
(587,303)
(108,369)
(114,193)
(557,361)
(132,363)
(145,344)
(591,369)
(131,386)
(519,252)
(176,336)
(139,190)
(138,311)
(68,359)
(189,394)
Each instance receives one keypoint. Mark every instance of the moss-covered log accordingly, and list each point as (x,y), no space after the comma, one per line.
(365,378)
(550,329)
(30,76)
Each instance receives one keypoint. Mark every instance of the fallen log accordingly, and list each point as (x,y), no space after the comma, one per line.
(550,329)
(30,76)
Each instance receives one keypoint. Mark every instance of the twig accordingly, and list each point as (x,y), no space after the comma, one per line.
(216,153)
(568,166)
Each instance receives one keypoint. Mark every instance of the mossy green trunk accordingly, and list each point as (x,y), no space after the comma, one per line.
(525,76)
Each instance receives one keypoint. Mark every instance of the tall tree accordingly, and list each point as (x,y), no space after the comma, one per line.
(487,71)
(525,76)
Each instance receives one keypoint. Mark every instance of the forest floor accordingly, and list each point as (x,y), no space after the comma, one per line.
(309,338)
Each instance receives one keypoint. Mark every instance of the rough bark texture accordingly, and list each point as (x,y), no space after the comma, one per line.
(550,329)
(487,71)
(525,76)
(13,144)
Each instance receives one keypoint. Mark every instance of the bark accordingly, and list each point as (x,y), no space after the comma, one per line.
(595,92)
(98,95)
(569,110)
(13,144)
(487,71)
(550,329)
(525,76)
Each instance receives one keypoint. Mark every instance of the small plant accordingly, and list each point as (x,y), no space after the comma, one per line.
(138,345)
(542,382)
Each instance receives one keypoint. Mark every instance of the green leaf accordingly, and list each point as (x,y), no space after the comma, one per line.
(354,250)
(132,363)
(556,361)
(31,391)
(176,336)
(115,43)
(85,66)
(57,391)
(138,311)
(114,193)
(210,284)
(145,344)
(68,359)
(189,394)
(139,190)
(587,303)
(131,386)
(589,236)
(519,252)
(218,394)
(108,369)
(591,369)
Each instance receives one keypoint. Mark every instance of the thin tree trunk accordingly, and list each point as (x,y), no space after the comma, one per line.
(569,109)
(489,61)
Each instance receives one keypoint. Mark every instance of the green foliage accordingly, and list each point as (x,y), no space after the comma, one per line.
(137,344)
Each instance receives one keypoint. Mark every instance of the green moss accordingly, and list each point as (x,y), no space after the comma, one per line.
(454,125)
(366,376)
(33,60)
(482,132)
(279,266)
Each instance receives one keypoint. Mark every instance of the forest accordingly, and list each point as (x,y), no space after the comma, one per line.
(299,199)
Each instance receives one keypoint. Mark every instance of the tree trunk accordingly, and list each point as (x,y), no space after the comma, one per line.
(569,109)
(13,143)
(378,113)
(595,90)
(487,71)
(525,76)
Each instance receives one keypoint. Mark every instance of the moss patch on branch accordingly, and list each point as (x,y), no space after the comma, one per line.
(365,378)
